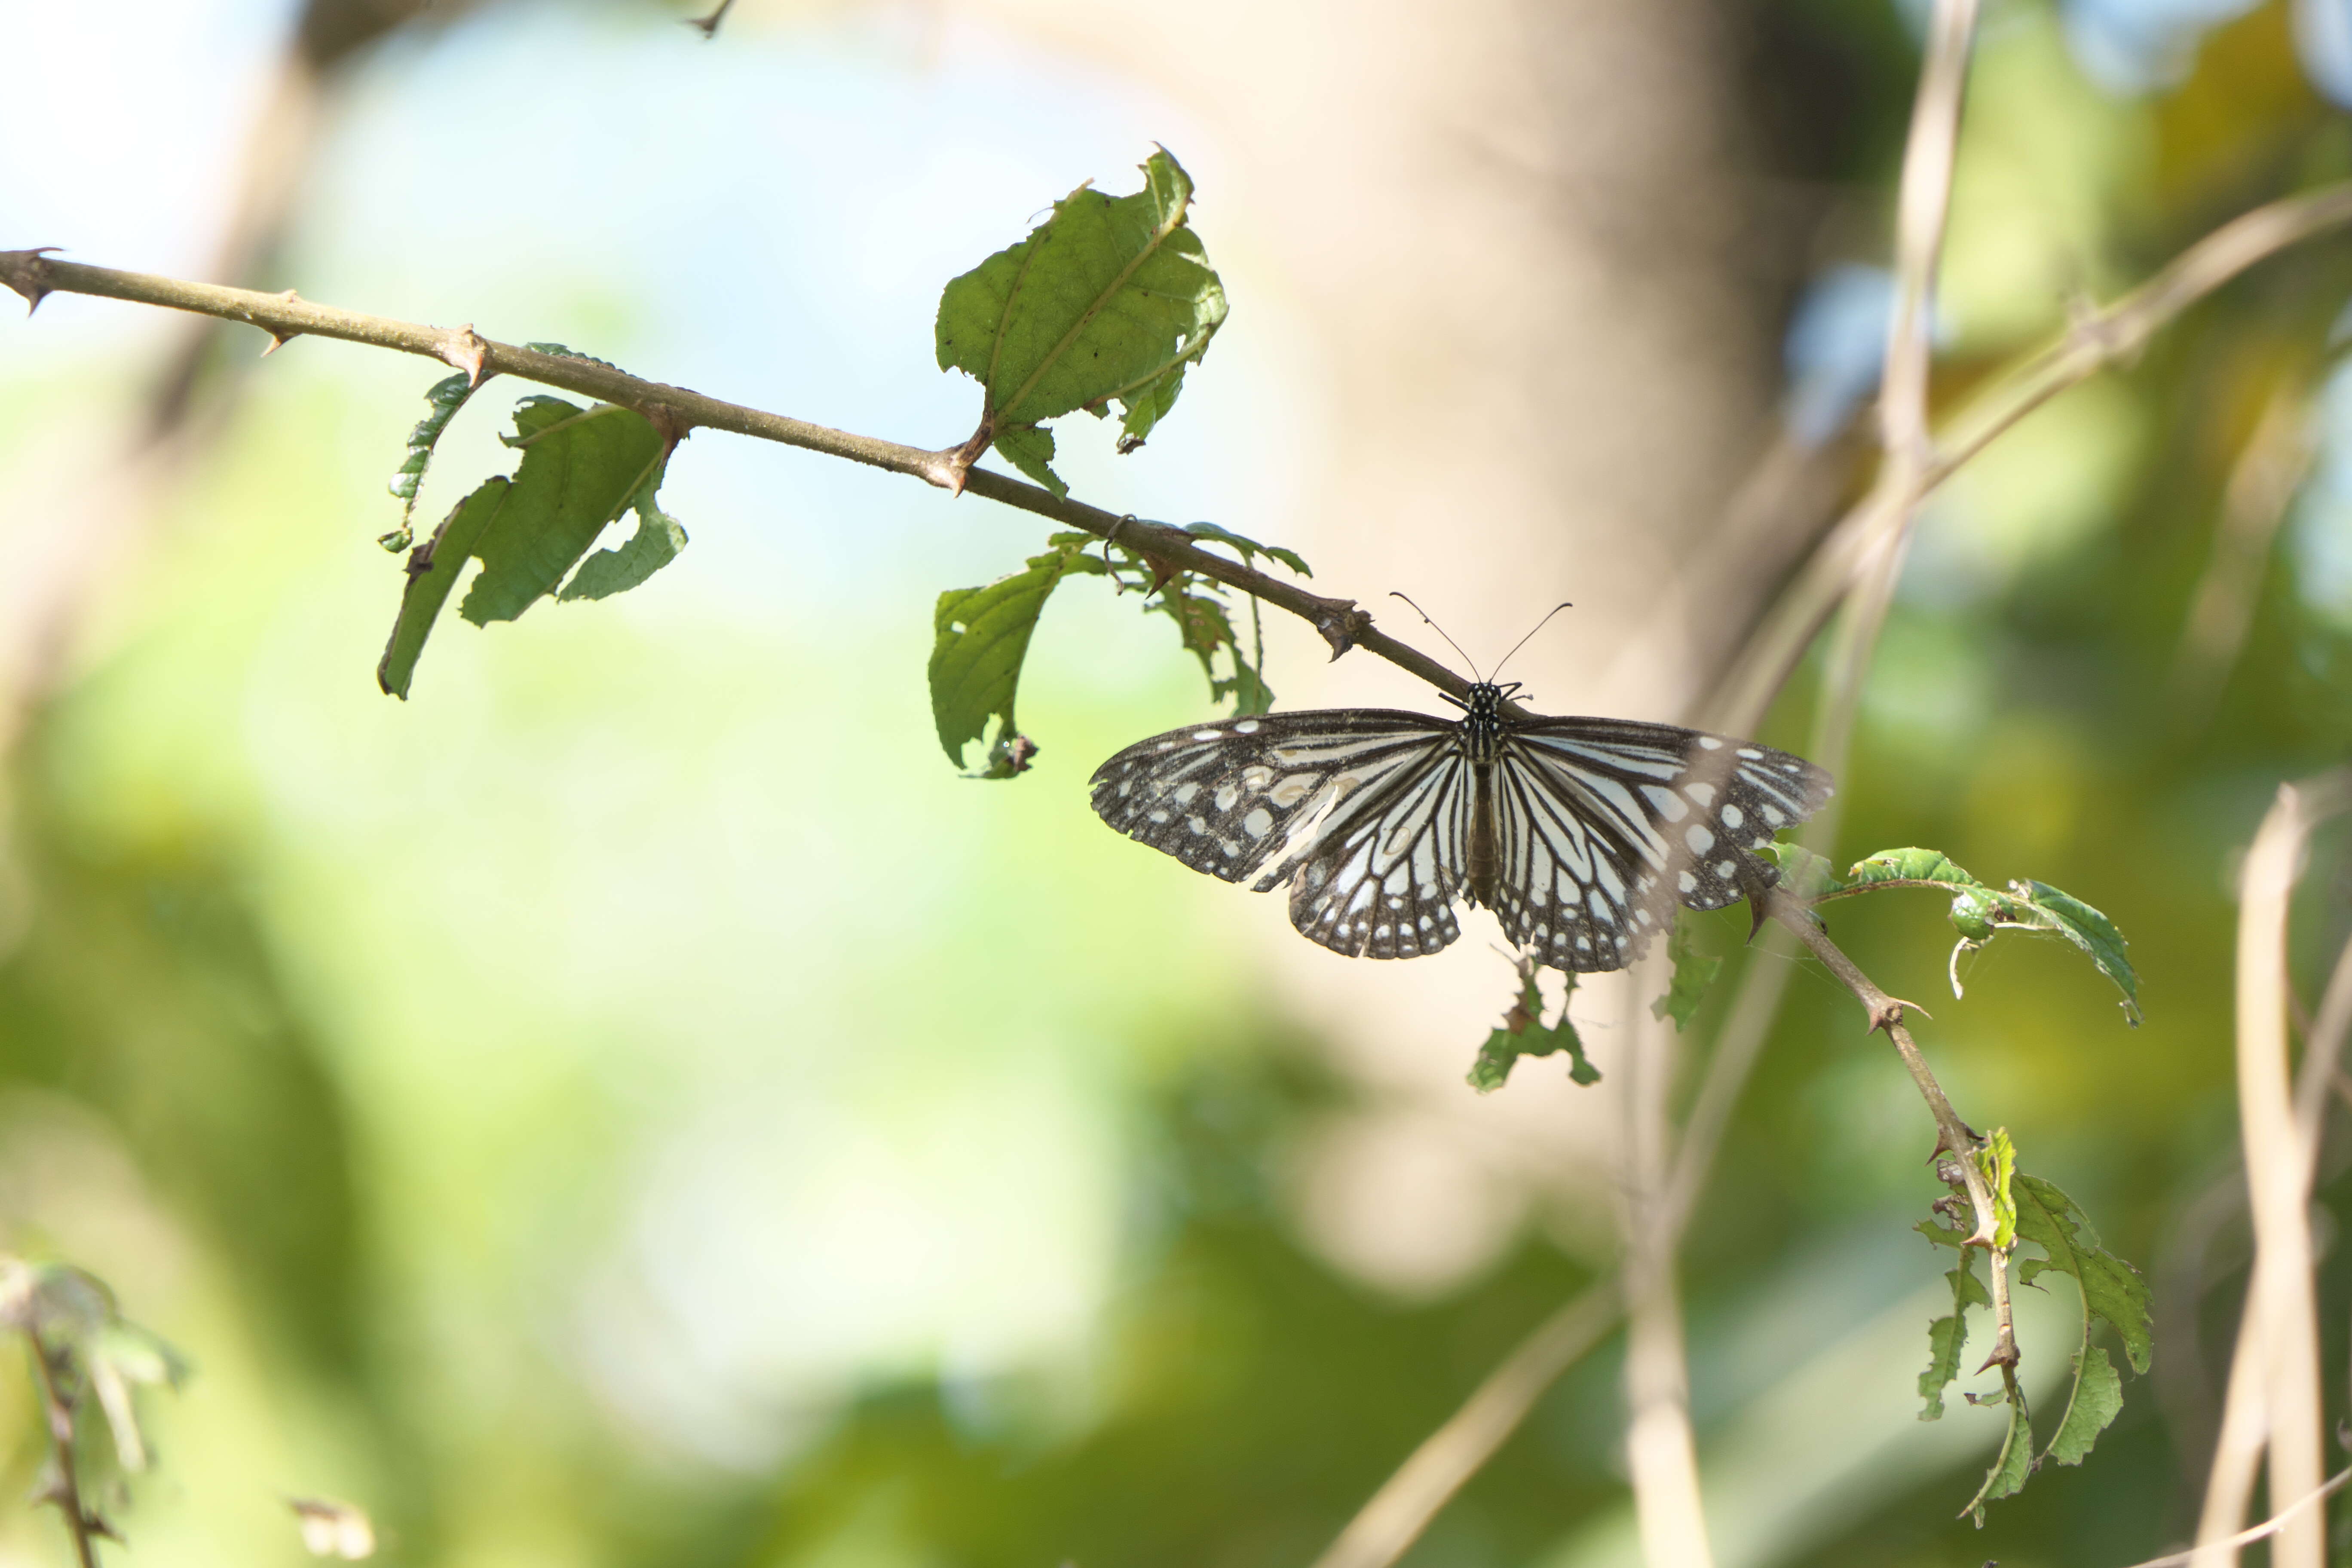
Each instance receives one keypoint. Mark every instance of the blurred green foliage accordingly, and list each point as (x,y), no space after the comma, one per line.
(344,1053)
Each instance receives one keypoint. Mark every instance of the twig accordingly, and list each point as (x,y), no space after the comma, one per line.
(33,274)
(2269,1527)
(2098,339)
(1403,1508)
(2281,1314)
(1661,1449)
(2262,487)
(65,1487)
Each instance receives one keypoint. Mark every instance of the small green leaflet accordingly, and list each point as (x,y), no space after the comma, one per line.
(442,401)
(980,636)
(1979,912)
(2009,1468)
(1109,298)
(1946,1336)
(1694,970)
(1998,1160)
(1522,1034)
(1030,449)
(580,469)
(1247,548)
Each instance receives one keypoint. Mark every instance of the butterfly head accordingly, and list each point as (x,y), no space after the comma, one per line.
(1482,718)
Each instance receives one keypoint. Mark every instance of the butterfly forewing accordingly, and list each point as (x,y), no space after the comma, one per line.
(1601,825)
(1232,797)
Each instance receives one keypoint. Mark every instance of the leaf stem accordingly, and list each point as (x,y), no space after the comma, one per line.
(64,1489)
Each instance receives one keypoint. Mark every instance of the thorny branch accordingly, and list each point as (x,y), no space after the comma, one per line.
(35,274)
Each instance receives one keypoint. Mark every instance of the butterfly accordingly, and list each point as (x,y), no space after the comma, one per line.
(1580,833)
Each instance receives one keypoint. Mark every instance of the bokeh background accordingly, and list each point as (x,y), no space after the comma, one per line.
(634,1104)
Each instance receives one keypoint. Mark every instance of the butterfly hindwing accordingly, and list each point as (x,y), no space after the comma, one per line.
(1607,824)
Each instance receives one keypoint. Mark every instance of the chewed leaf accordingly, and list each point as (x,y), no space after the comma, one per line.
(653,546)
(580,469)
(1030,449)
(1947,1336)
(980,637)
(433,568)
(1907,866)
(1109,298)
(1523,1034)
(442,401)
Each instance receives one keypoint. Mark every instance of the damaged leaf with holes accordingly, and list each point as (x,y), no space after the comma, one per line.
(1694,970)
(582,469)
(1523,1033)
(1106,301)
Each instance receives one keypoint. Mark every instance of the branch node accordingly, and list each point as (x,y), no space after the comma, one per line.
(1341,624)
(25,272)
(466,350)
(1886,1013)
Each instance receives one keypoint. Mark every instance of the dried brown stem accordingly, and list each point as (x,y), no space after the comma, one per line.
(2096,340)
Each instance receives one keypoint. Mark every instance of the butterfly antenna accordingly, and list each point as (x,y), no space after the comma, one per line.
(1530,636)
(1440,631)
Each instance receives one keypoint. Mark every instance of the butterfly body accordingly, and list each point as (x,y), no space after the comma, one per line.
(1580,833)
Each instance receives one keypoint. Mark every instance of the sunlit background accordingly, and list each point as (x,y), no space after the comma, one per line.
(633,1103)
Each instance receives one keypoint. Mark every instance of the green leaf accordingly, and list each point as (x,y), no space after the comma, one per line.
(980,636)
(1247,548)
(562,352)
(1998,1160)
(442,401)
(2112,1288)
(1804,874)
(580,469)
(2097,1399)
(2092,932)
(1980,911)
(1109,298)
(1522,1034)
(653,546)
(433,569)
(1694,970)
(1946,1336)
(1030,449)
(2015,1462)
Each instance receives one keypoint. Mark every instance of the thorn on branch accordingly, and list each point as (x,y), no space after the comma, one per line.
(1886,1013)
(466,350)
(709,25)
(24,270)
(1341,624)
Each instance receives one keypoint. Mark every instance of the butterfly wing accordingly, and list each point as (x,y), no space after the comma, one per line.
(1363,810)
(1603,824)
